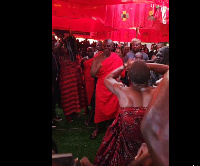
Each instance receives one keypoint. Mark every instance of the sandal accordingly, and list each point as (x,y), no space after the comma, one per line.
(94,134)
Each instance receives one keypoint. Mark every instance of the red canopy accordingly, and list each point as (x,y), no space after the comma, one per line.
(114,19)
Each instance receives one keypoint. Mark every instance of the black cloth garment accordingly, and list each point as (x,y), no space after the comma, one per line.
(55,67)
(55,83)
(93,95)
(71,45)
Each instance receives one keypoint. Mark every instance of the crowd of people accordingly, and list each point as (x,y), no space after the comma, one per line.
(120,85)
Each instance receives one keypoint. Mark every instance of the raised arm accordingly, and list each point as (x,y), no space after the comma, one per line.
(61,42)
(155,124)
(110,80)
(156,67)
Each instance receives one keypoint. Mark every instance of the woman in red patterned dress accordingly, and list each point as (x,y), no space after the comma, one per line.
(71,85)
(123,138)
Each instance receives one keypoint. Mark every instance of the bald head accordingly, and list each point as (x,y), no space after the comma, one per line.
(107,47)
(138,56)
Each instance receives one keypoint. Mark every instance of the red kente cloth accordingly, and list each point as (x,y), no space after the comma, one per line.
(89,81)
(72,93)
(107,103)
(122,139)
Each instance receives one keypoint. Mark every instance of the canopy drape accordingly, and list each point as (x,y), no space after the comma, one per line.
(114,19)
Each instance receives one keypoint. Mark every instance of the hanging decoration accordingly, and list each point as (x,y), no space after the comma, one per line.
(165,15)
(158,13)
(155,13)
(124,16)
(151,13)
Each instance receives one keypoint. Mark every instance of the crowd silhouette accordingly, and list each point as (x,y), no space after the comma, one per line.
(117,84)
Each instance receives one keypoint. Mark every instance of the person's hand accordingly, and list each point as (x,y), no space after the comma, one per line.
(85,162)
(65,37)
(142,158)
(99,65)
(128,64)
(143,150)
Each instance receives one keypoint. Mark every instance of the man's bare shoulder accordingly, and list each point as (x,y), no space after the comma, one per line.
(149,90)
(120,87)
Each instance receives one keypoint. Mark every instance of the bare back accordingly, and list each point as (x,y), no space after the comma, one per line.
(132,97)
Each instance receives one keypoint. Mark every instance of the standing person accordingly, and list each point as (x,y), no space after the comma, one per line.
(88,80)
(158,46)
(125,79)
(153,51)
(162,57)
(106,104)
(125,51)
(99,47)
(70,79)
(119,52)
(123,137)
(55,83)
(135,47)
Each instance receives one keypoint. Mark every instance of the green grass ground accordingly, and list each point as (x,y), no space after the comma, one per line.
(75,137)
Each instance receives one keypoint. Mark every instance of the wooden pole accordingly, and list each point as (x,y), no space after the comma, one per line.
(137,32)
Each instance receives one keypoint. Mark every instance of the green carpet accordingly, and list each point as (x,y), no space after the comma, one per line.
(75,137)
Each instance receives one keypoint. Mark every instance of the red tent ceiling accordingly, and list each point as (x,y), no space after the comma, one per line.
(115,19)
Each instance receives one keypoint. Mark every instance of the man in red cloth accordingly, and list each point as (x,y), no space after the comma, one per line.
(99,48)
(89,81)
(106,104)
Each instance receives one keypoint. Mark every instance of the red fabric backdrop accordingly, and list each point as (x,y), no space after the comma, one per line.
(103,19)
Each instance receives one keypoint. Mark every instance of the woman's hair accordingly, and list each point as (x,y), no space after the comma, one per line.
(139,73)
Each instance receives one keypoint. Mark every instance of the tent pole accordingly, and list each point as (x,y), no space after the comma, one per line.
(137,32)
